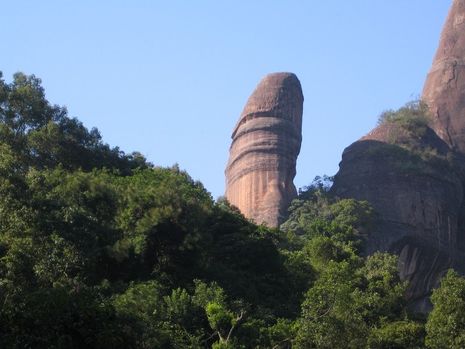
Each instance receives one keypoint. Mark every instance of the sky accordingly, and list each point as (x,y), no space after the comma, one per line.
(170,78)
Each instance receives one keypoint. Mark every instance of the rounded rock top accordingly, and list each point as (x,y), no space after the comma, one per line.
(278,93)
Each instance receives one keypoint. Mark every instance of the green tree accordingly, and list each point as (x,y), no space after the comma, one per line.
(398,335)
(43,136)
(445,327)
(224,322)
(161,320)
(329,316)
(349,300)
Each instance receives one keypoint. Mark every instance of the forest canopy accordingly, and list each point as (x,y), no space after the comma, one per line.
(101,249)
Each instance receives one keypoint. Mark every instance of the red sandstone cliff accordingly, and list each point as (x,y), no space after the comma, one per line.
(265,145)
(413,174)
(411,179)
(444,90)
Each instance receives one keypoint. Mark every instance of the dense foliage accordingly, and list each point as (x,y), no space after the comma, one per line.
(99,249)
(414,115)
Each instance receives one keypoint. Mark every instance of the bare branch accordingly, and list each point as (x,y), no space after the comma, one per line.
(238,319)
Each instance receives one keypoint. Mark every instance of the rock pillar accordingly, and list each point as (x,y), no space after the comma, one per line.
(265,145)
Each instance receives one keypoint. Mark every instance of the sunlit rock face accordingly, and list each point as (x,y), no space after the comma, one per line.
(444,90)
(265,145)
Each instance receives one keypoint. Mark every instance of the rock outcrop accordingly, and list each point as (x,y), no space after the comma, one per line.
(444,90)
(412,173)
(410,177)
(265,145)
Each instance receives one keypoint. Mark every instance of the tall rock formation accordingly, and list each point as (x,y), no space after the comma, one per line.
(444,90)
(412,171)
(265,145)
(411,178)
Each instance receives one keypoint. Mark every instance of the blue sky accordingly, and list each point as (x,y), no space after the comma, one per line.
(170,78)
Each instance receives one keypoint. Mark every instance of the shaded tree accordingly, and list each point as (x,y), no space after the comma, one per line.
(445,327)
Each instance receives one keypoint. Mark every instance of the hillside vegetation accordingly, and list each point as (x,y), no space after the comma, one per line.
(101,249)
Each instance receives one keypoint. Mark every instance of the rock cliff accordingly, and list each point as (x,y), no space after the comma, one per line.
(412,179)
(265,145)
(411,169)
(444,90)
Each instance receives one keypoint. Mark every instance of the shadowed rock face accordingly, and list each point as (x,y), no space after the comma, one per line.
(413,185)
(414,178)
(444,90)
(265,145)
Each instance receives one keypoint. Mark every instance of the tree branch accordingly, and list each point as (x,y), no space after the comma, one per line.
(238,319)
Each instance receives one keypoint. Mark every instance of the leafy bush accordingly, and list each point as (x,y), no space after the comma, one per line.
(414,117)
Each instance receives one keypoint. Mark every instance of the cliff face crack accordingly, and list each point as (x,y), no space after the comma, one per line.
(264,149)
(453,75)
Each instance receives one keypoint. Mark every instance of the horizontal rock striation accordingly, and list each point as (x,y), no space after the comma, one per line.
(265,145)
